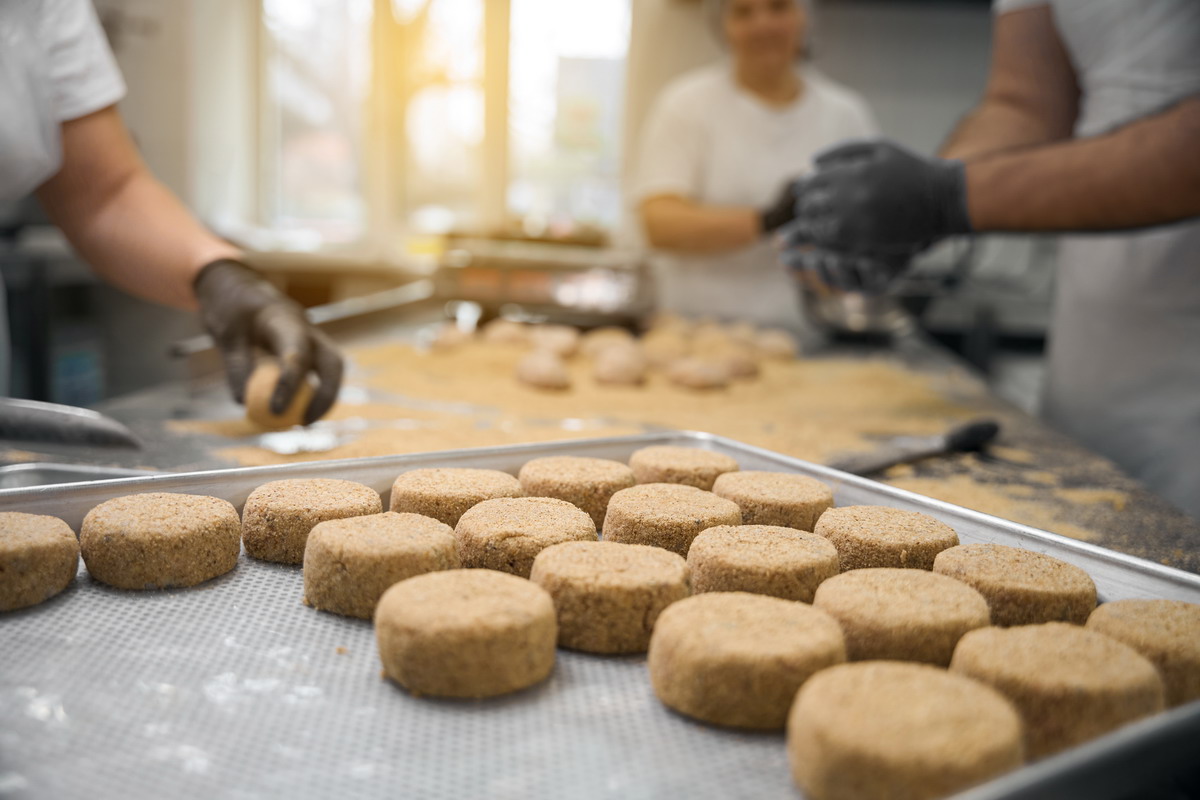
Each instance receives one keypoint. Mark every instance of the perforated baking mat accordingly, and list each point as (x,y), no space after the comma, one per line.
(234,689)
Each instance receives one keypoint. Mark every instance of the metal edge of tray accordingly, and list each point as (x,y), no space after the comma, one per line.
(1110,568)
(1100,769)
(1125,757)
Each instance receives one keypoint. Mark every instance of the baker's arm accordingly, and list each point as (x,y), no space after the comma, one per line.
(1032,94)
(131,230)
(138,236)
(676,223)
(1143,174)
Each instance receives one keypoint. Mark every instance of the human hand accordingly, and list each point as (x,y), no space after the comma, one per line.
(242,311)
(878,198)
(782,209)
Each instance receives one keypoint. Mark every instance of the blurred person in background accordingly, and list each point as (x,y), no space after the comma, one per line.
(62,138)
(1090,124)
(720,151)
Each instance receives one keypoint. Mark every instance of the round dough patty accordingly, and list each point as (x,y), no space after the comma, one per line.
(877,536)
(507,533)
(1165,631)
(881,730)
(1022,587)
(587,483)
(39,557)
(687,465)
(160,540)
(466,633)
(607,595)
(1069,684)
(446,493)
(901,614)
(668,515)
(737,659)
(349,563)
(278,515)
(259,389)
(762,559)
(775,498)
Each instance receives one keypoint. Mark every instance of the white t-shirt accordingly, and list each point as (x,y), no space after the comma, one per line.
(711,141)
(55,65)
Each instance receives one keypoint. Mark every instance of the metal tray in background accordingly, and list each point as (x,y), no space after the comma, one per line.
(235,689)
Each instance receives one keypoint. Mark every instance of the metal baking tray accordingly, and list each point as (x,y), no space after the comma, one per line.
(234,689)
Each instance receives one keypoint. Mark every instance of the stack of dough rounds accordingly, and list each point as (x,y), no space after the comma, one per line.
(259,389)
(349,563)
(737,659)
(901,614)
(278,515)
(607,595)
(505,331)
(775,343)
(506,534)
(762,559)
(1069,684)
(1022,587)
(884,730)
(544,370)
(687,465)
(160,540)
(620,365)
(1167,632)
(775,498)
(698,373)
(588,483)
(466,633)
(666,515)
(39,557)
(562,340)
(877,536)
(596,341)
(446,493)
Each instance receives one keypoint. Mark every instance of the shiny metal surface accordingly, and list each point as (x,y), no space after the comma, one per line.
(235,689)
(17,476)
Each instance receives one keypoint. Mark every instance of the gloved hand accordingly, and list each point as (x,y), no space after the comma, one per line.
(846,272)
(782,210)
(242,311)
(880,199)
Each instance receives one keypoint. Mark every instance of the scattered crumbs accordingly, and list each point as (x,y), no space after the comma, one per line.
(899,471)
(341,651)
(1118,500)
(1039,476)
(1013,454)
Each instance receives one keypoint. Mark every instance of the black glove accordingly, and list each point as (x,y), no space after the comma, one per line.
(782,210)
(869,274)
(878,198)
(241,311)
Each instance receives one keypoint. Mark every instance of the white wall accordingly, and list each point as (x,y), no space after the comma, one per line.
(920,65)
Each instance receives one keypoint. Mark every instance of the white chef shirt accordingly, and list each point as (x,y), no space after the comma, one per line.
(55,65)
(710,141)
(1124,348)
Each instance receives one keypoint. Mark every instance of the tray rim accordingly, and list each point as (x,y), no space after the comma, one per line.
(9,498)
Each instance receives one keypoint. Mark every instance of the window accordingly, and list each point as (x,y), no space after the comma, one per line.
(379,122)
(317,72)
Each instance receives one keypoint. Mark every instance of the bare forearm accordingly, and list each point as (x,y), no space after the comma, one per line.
(124,223)
(144,241)
(1143,174)
(995,127)
(673,223)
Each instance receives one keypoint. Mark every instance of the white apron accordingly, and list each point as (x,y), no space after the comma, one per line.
(1124,352)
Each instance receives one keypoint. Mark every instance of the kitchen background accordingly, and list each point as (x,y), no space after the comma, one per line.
(350,144)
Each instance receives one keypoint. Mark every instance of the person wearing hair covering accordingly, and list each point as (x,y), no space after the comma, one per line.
(62,138)
(719,153)
(1090,125)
